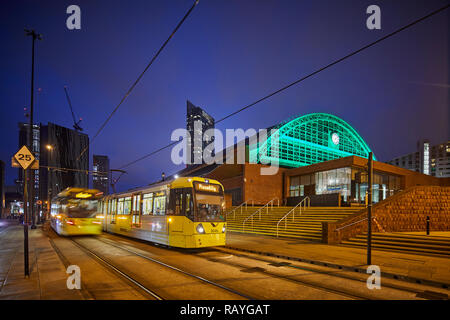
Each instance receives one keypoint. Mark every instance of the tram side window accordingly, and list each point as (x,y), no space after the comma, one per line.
(112,206)
(136,204)
(113,210)
(189,205)
(176,202)
(147,204)
(55,207)
(127,205)
(120,206)
(136,209)
(159,206)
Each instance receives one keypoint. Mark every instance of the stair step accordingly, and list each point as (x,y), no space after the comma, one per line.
(397,248)
(411,236)
(407,241)
(299,236)
(308,225)
(402,244)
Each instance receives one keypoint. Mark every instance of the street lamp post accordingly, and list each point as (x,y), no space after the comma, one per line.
(369,208)
(34,36)
(49,180)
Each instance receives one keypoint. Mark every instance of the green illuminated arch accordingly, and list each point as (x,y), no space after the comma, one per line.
(309,139)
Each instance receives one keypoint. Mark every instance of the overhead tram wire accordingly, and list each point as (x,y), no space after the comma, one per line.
(333,63)
(301,79)
(73,170)
(139,78)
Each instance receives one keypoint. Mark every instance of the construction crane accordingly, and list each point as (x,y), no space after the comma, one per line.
(76,125)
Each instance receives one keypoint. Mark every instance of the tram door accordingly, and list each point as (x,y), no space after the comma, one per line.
(136,219)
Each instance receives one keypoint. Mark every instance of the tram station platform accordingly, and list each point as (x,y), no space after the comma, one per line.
(411,267)
(47,280)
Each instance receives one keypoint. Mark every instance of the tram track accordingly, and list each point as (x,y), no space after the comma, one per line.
(343,293)
(358,280)
(209,282)
(243,264)
(89,294)
(316,269)
(117,270)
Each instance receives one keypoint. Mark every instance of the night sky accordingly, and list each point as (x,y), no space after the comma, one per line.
(226,55)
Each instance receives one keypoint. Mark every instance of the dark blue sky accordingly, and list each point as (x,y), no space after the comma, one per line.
(226,55)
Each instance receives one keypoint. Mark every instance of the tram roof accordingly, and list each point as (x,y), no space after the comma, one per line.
(157,185)
(82,193)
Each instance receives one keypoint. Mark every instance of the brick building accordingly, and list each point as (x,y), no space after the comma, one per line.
(319,155)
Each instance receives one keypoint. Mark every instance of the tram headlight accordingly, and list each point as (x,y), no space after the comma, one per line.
(223,229)
(200,228)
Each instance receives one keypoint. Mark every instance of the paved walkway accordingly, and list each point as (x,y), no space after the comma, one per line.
(48,277)
(405,265)
(47,273)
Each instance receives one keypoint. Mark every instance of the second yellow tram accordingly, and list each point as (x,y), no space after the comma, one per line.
(186,212)
(74,211)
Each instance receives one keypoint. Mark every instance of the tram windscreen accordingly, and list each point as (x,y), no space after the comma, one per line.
(209,207)
(80,208)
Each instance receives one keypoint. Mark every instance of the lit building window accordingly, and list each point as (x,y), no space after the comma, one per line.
(426,158)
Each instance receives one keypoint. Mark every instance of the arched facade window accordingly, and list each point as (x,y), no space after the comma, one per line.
(310,139)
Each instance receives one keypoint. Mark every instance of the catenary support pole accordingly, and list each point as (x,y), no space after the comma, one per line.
(369,208)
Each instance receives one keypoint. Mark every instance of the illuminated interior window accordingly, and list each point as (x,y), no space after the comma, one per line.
(147,204)
(127,205)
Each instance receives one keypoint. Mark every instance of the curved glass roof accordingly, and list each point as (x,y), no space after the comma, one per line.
(312,138)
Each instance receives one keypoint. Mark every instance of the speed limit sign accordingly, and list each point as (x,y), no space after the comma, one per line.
(24,157)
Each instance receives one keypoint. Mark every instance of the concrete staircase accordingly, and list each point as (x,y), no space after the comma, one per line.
(404,242)
(307,226)
(406,211)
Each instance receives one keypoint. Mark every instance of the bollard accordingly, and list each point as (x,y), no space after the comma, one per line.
(428,225)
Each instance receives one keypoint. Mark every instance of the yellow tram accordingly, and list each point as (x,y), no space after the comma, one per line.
(187,212)
(74,211)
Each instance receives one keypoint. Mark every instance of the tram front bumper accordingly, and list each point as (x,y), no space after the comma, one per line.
(205,240)
(83,229)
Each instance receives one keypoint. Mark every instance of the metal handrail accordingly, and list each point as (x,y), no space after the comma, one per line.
(240,206)
(351,224)
(259,211)
(293,212)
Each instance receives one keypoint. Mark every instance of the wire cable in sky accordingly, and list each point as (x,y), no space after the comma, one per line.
(301,79)
(139,78)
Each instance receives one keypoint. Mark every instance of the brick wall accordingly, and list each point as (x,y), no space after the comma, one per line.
(228,201)
(262,188)
(405,211)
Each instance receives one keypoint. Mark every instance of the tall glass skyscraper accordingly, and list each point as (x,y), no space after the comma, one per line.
(60,148)
(100,174)
(197,123)
(36,148)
